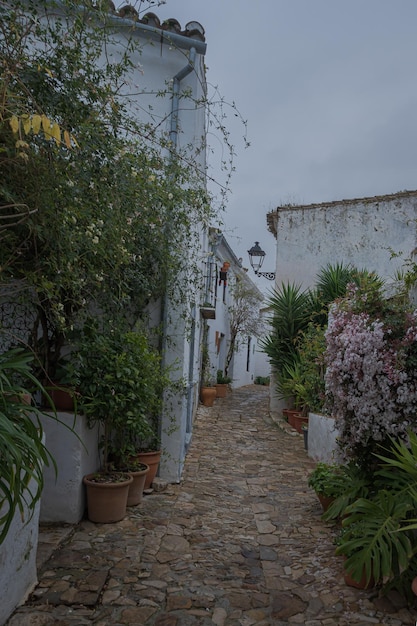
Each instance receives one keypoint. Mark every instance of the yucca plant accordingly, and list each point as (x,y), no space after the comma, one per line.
(23,453)
(290,315)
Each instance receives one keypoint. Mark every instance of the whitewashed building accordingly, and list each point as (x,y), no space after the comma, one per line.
(377,233)
(364,232)
(224,271)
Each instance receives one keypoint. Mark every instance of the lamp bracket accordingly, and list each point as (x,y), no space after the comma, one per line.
(268,275)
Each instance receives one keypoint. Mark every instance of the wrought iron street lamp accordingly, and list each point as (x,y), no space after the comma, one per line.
(256,258)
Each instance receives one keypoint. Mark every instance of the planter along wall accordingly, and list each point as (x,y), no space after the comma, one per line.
(322,436)
(63,496)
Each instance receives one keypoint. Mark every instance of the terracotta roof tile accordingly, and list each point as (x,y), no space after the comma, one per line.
(192,30)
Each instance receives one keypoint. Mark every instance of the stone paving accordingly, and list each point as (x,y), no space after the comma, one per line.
(239,542)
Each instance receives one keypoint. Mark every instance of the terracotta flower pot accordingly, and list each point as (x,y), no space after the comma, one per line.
(208,395)
(107,501)
(152,459)
(62,399)
(291,415)
(221,390)
(136,488)
(325,501)
(359,584)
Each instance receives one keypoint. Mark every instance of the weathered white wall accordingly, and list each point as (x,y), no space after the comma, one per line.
(242,370)
(74,447)
(362,232)
(322,438)
(18,573)
(157,64)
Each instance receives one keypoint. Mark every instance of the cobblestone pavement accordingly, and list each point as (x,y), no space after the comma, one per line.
(238,543)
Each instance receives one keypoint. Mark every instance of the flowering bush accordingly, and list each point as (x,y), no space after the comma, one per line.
(371,380)
(100,219)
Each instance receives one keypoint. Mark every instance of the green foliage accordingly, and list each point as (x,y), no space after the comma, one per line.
(262,380)
(311,350)
(22,451)
(348,483)
(372,541)
(102,222)
(379,525)
(296,345)
(324,479)
(221,379)
(121,384)
(290,316)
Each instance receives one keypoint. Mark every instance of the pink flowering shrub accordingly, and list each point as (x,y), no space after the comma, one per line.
(371,374)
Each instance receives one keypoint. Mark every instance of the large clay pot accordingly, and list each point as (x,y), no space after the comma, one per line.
(221,390)
(137,486)
(298,421)
(107,501)
(208,395)
(151,459)
(291,415)
(325,501)
(361,584)
(62,397)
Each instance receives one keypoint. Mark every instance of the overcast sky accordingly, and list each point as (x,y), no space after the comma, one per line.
(329,91)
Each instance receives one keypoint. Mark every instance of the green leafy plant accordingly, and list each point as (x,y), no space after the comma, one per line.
(311,350)
(348,483)
(372,542)
(23,453)
(94,216)
(379,525)
(262,380)
(221,379)
(121,383)
(324,479)
(290,315)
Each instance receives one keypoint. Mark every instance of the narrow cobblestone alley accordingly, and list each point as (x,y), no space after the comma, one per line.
(239,542)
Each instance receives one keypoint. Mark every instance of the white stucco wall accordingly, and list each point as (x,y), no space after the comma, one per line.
(361,232)
(151,100)
(243,367)
(18,574)
(75,448)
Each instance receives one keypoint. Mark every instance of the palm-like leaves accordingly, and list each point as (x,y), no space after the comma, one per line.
(332,281)
(371,540)
(348,484)
(22,452)
(290,315)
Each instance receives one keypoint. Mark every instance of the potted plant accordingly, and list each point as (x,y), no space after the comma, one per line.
(119,378)
(222,383)
(365,578)
(324,480)
(208,392)
(62,389)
